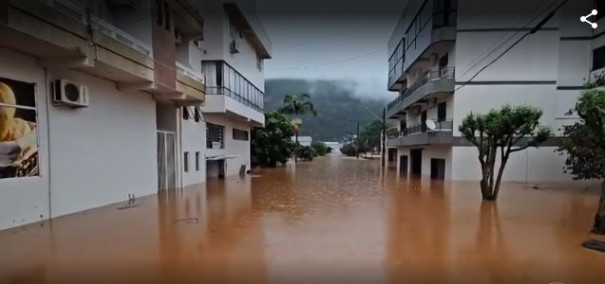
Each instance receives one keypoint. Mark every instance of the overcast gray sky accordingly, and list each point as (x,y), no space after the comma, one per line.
(331,39)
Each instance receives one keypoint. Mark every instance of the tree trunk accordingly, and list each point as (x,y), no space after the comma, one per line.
(296,148)
(499,179)
(599,218)
(485,189)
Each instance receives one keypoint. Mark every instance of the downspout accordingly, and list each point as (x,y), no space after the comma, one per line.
(179,151)
(48,104)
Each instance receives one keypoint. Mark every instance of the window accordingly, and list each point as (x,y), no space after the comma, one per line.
(441,111)
(186,114)
(214,136)
(598,58)
(163,14)
(197,161)
(166,16)
(240,135)
(186,162)
(198,114)
(18,105)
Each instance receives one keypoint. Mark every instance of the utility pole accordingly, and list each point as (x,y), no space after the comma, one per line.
(356,138)
(384,137)
(357,148)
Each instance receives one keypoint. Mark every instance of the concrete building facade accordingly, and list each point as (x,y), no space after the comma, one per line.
(436,53)
(104,100)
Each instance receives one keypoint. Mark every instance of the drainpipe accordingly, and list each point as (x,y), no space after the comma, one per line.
(48,105)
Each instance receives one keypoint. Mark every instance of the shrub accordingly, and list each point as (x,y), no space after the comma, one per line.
(306,153)
(320,148)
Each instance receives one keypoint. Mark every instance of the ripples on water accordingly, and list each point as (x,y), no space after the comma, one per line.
(331,220)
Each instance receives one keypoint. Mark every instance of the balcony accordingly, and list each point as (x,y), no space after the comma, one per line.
(432,82)
(191,84)
(419,134)
(225,100)
(419,35)
(228,91)
(119,56)
(54,31)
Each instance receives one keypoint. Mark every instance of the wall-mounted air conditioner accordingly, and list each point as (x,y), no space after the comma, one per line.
(68,93)
(234,46)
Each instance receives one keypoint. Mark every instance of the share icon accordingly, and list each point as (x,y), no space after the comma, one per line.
(584,19)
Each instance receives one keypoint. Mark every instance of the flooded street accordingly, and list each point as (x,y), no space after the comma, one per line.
(334,220)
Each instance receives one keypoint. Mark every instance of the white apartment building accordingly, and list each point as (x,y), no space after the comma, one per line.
(101,100)
(439,45)
(234,48)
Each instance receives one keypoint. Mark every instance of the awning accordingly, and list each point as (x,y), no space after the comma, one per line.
(220,157)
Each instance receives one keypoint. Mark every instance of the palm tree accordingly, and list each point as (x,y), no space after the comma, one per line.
(297,105)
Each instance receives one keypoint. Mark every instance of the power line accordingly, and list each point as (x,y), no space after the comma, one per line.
(328,63)
(497,45)
(532,31)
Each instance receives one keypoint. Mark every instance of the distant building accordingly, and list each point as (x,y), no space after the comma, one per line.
(437,48)
(335,146)
(303,140)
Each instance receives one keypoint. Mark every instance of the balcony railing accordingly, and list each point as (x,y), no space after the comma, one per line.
(432,75)
(227,92)
(190,72)
(119,35)
(444,125)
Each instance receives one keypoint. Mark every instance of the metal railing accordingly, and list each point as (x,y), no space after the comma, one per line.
(431,75)
(190,72)
(213,90)
(120,35)
(441,126)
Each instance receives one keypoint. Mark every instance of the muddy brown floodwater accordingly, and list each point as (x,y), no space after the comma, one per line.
(334,220)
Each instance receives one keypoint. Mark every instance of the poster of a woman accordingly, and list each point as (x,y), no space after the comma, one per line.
(18,129)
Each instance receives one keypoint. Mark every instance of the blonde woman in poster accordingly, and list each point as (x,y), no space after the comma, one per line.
(18,145)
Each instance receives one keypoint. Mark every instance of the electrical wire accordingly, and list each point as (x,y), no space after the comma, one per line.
(532,31)
(329,63)
(498,44)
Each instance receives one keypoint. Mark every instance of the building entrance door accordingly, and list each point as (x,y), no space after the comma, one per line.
(416,162)
(438,169)
(403,166)
(166,160)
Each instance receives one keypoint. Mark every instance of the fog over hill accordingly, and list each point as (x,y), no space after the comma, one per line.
(336,103)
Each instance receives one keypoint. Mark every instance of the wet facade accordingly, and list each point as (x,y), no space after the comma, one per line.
(333,220)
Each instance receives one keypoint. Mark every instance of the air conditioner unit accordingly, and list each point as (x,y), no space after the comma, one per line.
(70,94)
(234,47)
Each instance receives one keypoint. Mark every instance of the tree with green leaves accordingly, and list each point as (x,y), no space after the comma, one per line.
(320,148)
(370,136)
(584,145)
(273,144)
(297,106)
(306,153)
(502,131)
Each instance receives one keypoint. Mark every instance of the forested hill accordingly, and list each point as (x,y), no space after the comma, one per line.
(335,104)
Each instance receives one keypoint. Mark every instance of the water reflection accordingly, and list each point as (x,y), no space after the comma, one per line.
(332,220)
